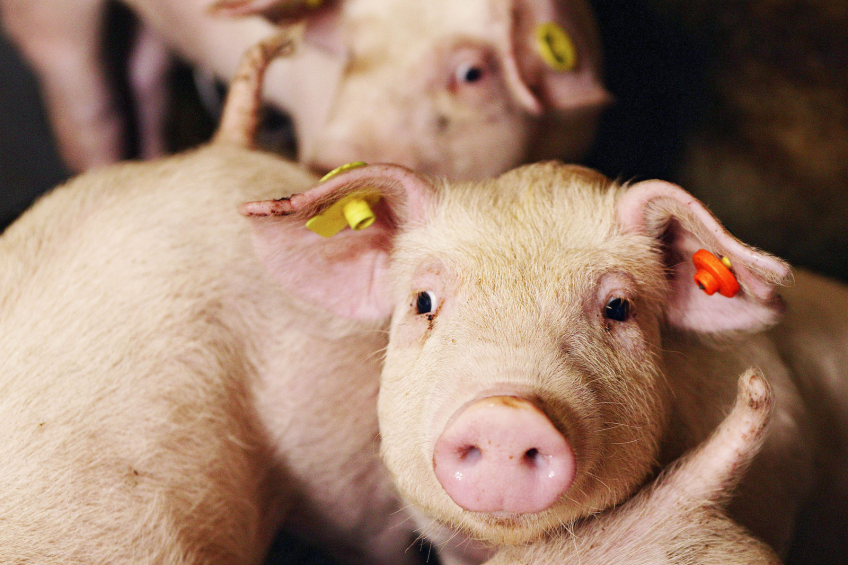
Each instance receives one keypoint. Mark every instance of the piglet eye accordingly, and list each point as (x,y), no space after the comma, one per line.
(425,302)
(469,74)
(618,309)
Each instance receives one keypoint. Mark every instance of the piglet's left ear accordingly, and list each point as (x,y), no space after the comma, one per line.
(341,271)
(681,225)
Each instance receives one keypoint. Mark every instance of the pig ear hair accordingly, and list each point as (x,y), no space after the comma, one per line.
(344,273)
(682,226)
(536,83)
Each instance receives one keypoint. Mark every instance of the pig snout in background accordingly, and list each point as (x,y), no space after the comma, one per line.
(555,302)
(679,517)
(449,88)
(163,399)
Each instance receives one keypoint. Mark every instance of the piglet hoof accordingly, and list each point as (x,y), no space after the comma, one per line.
(755,396)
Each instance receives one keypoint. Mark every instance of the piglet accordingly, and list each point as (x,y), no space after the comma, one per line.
(680,517)
(557,338)
(462,89)
(163,400)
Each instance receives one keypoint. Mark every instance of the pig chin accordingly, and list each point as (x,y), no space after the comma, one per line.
(585,497)
(504,528)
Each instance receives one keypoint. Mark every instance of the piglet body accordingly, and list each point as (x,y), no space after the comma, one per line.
(163,399)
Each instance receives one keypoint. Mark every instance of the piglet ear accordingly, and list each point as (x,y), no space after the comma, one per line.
(320,17)
(682,226)
(552,58)
(273,10)
(345,273)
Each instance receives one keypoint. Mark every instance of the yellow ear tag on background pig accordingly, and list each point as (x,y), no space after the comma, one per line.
(556,46)
(353,210)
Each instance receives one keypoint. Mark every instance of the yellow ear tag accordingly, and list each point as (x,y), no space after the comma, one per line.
(353,210)
(343,169)
(556,46)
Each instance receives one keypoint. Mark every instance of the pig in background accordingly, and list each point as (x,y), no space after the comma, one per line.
(680,517)
(453,88)
(554,314)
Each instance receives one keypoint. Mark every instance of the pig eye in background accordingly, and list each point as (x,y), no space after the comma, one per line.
(618,309)
(425,302)
(469,73)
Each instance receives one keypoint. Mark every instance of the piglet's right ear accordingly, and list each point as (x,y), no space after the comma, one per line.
(345,273)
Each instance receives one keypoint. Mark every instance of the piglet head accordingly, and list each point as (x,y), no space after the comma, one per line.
(462,89)
(523,385)
(523,382)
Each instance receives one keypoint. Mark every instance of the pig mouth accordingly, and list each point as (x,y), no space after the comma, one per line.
(503,518)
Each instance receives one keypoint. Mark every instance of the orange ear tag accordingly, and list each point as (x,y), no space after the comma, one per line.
(713,274)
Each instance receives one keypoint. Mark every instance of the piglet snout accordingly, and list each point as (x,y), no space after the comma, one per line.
(502,454)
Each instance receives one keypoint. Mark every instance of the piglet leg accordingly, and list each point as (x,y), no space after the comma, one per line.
(149,63)
(62,41)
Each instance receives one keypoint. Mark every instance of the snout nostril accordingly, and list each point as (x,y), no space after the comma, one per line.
(469,453)
(535,459)
(531,456)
